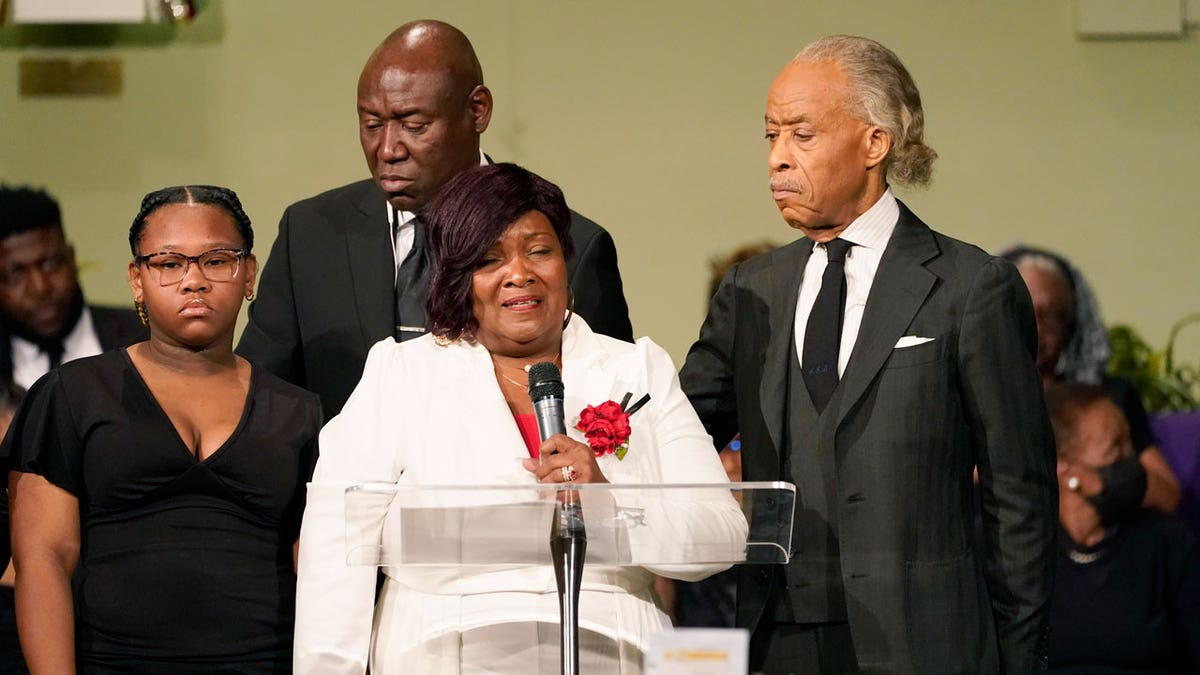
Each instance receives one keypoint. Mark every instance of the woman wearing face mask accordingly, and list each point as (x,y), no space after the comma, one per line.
(1126,591)
(157,489)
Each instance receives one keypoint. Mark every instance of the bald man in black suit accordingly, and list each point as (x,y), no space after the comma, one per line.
(348,266)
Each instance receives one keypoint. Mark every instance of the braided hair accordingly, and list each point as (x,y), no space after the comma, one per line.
(212,195)
(24,208)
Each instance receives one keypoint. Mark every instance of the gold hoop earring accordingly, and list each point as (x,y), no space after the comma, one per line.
(250,295)
(140,308)
(570,307)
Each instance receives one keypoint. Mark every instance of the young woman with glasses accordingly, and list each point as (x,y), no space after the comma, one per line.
(157,490)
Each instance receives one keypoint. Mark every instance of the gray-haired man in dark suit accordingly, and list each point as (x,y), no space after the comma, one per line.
(876,364)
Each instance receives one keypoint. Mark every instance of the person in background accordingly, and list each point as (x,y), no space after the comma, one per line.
(874,363)
(350,266)
(44,320)
(719,266)
(1126,591)
(1073,347)
(453,408)
(157,489)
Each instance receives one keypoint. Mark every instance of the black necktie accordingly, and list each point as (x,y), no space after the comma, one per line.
(412,280)
(54,351)
(823,334)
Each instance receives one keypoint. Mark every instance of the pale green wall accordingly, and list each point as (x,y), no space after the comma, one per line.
(649,114)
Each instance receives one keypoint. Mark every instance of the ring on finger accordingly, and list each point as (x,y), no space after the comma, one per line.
(569,473)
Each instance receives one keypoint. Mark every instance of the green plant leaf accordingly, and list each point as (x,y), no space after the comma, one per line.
(1164,384)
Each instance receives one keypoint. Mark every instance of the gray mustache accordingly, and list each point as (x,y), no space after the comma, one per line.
(780,184)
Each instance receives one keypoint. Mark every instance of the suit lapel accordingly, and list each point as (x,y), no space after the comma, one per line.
(588,377)
(900,287)
(372,266)
(484,412)
(784,286)
(593,375)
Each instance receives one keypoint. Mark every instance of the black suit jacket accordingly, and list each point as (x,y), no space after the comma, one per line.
(327,291)
(115,327)
(898,443)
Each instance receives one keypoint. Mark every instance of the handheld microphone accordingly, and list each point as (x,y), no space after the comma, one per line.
(546,392)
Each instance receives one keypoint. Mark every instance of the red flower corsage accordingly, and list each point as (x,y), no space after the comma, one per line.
(606,426)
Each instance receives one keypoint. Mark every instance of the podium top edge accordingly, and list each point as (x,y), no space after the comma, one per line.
(600,487)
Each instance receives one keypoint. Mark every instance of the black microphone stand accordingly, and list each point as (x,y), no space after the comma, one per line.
(568,544)
(568,537)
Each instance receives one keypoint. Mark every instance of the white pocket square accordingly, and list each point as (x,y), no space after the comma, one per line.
(911,341)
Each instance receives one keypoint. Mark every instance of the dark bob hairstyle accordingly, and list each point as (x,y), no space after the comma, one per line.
(212,195)
(465,219)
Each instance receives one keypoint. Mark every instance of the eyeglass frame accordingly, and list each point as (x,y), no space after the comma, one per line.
(239,254)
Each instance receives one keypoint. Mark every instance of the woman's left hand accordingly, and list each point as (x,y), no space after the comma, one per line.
(565,460)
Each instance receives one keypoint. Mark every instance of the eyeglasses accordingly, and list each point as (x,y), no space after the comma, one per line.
(218,265)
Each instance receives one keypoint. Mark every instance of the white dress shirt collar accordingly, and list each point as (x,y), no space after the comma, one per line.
(30,362)
(874,227)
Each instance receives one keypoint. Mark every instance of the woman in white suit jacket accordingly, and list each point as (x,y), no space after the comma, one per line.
(446,409)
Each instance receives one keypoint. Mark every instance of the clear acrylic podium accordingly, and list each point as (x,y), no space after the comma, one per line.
(679,530)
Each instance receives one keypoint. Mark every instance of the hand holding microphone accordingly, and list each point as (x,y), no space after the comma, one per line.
(561,459)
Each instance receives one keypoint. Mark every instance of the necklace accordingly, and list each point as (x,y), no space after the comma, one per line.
(1083,558)
(523,385)
(519,384)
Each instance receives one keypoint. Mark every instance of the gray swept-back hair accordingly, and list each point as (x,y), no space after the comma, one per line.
(1085,356)
(885,96)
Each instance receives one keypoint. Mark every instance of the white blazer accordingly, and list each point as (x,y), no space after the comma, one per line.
(425,414)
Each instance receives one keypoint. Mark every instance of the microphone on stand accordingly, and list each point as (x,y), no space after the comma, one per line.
(568,536)
(546,392)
